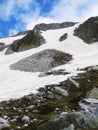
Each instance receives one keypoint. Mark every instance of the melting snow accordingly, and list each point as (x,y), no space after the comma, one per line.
(15,84)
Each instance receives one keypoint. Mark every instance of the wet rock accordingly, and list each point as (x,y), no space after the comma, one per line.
(93,93)
(4,124)
(72,85)
(63,37)
(42,61)
(89,105)
(88,31)
(79,119)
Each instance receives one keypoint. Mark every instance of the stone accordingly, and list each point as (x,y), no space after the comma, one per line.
(78,119)
(4,124)
(89,105)
(93,93)
(63,37)
(60,91)
(71,127)
(72,85)
(25,119)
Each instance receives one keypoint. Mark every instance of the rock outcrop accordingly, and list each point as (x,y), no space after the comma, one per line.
(42,61)
(45,27)
(31,40)
(63,37)
(88,31)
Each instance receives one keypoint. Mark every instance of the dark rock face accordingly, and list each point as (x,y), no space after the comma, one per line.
(63,37)
(78,119)
(31,40)
(42,61)
(45,27)
(88,31)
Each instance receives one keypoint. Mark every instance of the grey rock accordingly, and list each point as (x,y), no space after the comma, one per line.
(78,119)
(72,85)
(42,61)
(60,91)
(63,37)
(93,93)
(4,124)
(71,127)
(89,105)
(25,119)
(88,31)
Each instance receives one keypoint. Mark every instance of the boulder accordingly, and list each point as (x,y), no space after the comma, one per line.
(89,105)
(80,119)
(71,127)
(25,119)
(93,93)
(63,37)
(88,31)
(4,124)
(72,85)
(60,91)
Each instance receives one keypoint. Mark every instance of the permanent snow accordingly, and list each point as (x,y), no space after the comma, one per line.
(15,84)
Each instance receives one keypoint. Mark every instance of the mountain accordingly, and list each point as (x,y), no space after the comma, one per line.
(49,77)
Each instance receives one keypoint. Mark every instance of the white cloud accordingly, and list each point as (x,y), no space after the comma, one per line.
(74,10)
(63,10)
(39,20)
(12,32)
(68,10)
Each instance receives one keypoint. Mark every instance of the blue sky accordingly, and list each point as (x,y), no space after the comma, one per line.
(20,15)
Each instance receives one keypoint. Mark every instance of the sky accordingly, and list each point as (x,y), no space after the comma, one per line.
(21,15)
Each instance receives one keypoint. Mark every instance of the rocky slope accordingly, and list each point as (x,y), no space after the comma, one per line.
(52,80)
